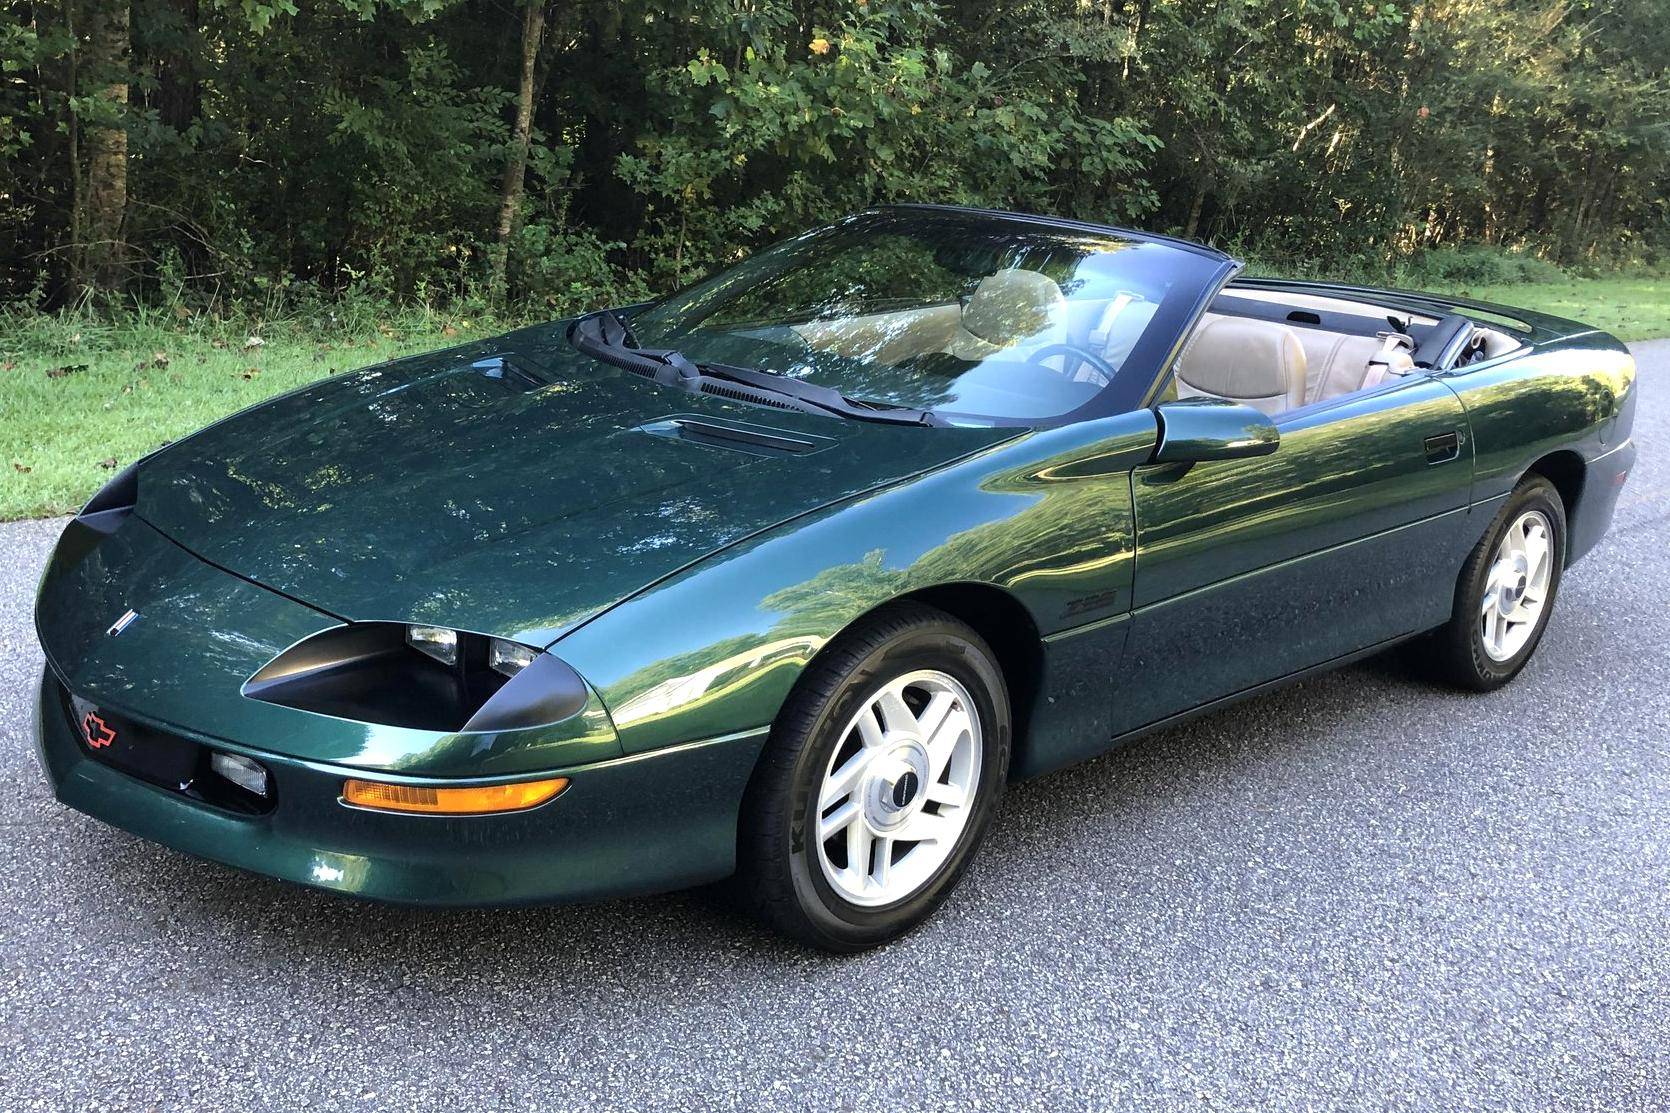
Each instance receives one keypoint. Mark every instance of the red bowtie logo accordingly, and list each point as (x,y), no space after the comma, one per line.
(98,731)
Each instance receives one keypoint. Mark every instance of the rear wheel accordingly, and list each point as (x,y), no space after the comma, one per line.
(881,777)
(1507,589)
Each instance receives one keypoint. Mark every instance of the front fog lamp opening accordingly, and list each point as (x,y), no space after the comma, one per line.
(473,800)
(241,771)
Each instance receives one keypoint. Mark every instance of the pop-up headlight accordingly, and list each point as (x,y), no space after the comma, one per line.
(423,677)
(114,501)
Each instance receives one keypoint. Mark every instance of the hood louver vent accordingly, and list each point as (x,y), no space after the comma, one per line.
(756,440)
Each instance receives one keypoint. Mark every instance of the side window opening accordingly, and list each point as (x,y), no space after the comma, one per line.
(1280,350)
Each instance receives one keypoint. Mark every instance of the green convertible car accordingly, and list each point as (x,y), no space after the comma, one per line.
(784,576)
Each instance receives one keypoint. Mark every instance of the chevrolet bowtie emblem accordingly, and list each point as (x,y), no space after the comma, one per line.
(99,732)
(122,623)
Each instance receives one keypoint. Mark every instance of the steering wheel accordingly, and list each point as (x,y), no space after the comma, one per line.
(1072,358)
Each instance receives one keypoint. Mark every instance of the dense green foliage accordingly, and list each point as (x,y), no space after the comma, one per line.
(272,150)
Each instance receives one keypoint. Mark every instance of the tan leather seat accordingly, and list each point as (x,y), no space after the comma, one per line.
(1336,362)
(1256,362)
(1010,307)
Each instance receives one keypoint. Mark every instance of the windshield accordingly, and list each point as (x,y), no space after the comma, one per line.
(978,318)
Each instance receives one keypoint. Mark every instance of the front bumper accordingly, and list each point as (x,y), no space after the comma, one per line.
(651,822)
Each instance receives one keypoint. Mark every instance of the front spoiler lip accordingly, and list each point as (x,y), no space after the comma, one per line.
(648,822)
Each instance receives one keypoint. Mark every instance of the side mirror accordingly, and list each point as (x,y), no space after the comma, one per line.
(1212,429)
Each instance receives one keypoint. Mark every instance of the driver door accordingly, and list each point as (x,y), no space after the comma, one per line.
(1350,535)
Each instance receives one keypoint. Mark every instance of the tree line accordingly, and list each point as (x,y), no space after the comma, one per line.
(560,152)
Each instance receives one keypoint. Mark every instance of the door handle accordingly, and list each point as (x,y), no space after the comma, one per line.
(1441,448)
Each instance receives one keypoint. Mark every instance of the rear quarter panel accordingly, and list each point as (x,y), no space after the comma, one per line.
(1574,397)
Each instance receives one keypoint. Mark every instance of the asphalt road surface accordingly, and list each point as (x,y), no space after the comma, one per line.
(1360,892)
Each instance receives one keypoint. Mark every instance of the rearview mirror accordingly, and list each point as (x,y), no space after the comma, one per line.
(1199,429)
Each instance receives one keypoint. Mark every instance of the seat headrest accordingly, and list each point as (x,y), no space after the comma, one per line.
(1119,326)
(1013,304)
(1256,362)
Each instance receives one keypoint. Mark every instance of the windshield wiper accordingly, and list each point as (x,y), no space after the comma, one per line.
(607,337)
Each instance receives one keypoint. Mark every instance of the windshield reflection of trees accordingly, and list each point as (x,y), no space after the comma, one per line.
(860,270)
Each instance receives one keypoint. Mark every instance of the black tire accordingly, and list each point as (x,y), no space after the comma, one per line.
(777,868)
(1461,658)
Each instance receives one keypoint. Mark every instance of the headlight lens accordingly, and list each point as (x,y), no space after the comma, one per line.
(508,657)
(423,677)
(437,641)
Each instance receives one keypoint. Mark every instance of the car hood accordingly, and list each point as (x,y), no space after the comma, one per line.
(510,487)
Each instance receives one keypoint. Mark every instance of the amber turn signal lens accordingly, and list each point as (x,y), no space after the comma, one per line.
(481,800)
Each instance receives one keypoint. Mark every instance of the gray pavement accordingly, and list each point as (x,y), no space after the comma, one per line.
(1361,892)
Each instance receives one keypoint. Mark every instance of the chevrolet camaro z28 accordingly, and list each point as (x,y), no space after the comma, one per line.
(783,577)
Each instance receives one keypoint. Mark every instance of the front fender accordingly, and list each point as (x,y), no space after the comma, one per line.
(717,648)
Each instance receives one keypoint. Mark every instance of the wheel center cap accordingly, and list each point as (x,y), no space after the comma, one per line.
(1514,582)
(893,786)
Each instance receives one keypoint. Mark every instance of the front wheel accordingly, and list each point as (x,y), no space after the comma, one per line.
(1507,589)
(881,777)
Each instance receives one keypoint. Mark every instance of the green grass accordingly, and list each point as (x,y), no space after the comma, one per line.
(1635,308)
(79,399)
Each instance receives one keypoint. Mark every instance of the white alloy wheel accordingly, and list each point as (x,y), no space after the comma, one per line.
(1516,587)
(899,788)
